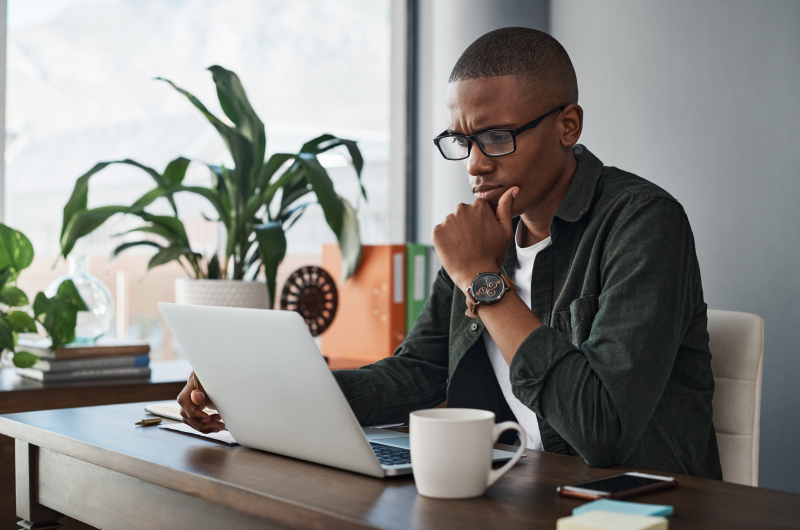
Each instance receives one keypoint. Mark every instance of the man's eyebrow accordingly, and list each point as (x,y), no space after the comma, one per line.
(487,128)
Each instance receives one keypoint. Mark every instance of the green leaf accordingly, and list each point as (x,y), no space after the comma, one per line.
(323,187)
(320,144)
(71,230)
(165,255)
(266,190)
(147,199)
(156,176)
(236,106)
(59,314)
(170,228)
(213,271)
(358,162)
(296,187)
(6,276)
(286,219)
(24,359)
(290,197)
(349,240)
(327,142)
(209,194)
(175,171)
(272,247)
(213,198)
(69,295)
(157,230)
(22,322)
(6,333)
(78,200)
(13,296)
(231,185)
(16,250)
(84,223)
(239,146)
(131,244)
(254,203)
(272,165)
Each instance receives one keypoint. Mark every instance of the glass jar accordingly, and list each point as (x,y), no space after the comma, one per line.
(97,321)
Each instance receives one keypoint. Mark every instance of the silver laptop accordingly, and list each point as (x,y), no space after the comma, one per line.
(275,391)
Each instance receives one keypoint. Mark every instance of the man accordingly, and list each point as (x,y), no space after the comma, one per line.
(597,343)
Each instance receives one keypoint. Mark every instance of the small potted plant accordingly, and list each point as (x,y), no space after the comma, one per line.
(247,202)
(57,314)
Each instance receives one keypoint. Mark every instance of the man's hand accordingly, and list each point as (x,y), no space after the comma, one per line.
(192,403)
(474,239)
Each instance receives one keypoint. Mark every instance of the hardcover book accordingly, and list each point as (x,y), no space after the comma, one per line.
(103,347)
(85,375)
(125,361)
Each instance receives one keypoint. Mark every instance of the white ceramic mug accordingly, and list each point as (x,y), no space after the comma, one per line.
(451,451)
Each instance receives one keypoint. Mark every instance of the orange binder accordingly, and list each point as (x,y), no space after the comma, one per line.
(370,322)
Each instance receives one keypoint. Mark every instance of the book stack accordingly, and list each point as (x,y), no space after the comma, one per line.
(106,359)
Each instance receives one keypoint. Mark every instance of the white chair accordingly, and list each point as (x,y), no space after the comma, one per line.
(737,360)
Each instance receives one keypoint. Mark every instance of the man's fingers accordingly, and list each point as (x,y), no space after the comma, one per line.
(198,397)
(208,428)
(202,422)
(192,403)
(504,207)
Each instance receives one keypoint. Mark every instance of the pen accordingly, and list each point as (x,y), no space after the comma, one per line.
(149,421)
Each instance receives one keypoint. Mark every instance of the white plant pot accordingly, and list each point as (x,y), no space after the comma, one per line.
(229,293)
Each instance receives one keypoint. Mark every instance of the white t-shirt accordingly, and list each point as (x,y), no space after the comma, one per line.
(522,275)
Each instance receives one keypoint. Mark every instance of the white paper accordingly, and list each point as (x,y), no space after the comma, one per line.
(222,436)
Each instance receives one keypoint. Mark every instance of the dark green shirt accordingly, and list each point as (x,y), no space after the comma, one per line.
(621,370)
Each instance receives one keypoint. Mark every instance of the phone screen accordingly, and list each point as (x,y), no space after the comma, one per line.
(618,483)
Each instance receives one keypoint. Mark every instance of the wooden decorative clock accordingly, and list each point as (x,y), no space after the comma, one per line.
(311,292)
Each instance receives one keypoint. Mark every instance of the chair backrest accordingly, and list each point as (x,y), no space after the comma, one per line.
(737,360)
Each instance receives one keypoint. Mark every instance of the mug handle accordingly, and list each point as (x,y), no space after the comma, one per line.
(499,429)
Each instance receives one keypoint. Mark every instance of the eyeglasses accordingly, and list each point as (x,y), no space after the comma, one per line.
(494,142)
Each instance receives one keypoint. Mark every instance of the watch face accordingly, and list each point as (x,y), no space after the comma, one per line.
(487,287)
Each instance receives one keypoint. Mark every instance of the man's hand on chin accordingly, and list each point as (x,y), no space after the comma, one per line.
(474,239)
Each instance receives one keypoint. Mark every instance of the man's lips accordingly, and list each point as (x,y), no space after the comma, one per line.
(487,192)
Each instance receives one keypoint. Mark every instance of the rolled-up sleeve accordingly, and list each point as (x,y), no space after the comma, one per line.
(601,395)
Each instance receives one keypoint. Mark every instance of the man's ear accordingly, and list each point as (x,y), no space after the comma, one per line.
(571,124)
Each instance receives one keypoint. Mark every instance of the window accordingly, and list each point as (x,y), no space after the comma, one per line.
(80,90)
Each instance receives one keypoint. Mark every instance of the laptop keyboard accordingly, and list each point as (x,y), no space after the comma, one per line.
(391,456)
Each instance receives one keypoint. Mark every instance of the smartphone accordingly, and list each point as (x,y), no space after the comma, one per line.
(618,486)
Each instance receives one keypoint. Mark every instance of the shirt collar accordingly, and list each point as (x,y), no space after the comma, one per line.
(581,191)
(575,203)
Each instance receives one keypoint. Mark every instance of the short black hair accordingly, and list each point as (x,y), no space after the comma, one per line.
(530,54)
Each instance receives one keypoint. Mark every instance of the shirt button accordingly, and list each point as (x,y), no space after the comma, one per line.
(474,327)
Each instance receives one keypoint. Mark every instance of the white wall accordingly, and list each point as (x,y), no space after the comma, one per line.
(703,98)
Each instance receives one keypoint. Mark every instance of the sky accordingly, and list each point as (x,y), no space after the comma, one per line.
(22,13)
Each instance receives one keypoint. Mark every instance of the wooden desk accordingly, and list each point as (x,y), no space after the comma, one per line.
(95,465)
(21,395)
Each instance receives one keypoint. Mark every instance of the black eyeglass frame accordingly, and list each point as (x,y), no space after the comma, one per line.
(474,137)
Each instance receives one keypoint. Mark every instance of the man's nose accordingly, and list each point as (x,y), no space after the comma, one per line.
(477,163)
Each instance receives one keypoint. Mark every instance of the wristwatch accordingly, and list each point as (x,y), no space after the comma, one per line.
(487,288)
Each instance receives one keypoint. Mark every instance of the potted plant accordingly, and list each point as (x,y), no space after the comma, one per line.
(255,201)
(57,314)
